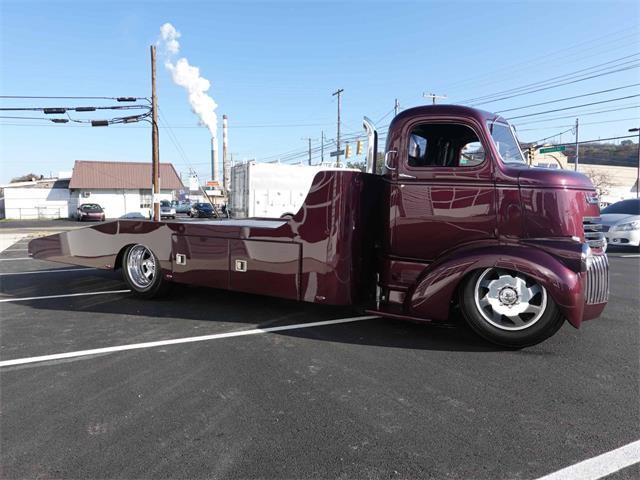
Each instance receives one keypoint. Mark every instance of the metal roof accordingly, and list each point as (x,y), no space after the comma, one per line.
(96,175)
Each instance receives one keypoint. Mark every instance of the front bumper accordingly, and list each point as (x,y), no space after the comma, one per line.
(630,238)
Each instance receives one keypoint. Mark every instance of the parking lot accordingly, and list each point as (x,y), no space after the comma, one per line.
(240,386)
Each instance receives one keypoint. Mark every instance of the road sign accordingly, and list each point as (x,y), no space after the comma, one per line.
(336,153)
(212,184)
(559,148)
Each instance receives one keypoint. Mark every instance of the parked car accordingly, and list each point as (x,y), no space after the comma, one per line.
(90,211)
(621,223)
(181,207)
(201,210)
(167,210)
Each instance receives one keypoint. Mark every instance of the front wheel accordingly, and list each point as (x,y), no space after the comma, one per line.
(142,272)
(508,308)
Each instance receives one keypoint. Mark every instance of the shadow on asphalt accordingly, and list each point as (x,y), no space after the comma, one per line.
(204,304)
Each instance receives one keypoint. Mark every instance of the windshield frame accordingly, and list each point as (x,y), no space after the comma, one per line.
(490,126)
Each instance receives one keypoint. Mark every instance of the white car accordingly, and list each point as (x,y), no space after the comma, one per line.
(621,223)
(167,210)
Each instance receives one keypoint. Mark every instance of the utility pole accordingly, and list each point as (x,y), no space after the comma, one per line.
(339,94)
(638,169)
(226,168)
(155,154)
(577,148)
(321,146)
(396,108)
(309,139)
(433,97)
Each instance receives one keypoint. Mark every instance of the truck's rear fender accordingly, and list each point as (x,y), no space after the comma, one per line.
(432,296)
(102,246)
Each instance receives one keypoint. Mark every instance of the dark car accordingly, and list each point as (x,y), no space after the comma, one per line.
(201,210)
(90,211)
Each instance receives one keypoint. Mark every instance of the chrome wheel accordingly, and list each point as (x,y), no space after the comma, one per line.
(508,300)
(141,266)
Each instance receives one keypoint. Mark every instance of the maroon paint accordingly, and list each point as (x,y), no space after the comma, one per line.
(430,230)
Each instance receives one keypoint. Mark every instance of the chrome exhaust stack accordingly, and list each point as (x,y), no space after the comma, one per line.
(372,145)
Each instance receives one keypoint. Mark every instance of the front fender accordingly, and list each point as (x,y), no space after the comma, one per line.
(432,294)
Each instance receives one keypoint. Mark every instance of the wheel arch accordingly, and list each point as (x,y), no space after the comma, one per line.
(436,288)
(117,264)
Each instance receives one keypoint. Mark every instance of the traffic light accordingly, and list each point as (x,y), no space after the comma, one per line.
(531,154)
(359,147)
(347,151)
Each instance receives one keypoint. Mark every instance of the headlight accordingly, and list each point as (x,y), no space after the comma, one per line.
(628,226)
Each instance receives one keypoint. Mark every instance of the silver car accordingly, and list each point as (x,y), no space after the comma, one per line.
(621,223)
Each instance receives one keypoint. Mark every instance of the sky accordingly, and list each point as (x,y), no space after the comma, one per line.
(273,67)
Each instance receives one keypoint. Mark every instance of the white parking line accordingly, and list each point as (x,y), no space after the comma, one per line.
(23,299)
(13,259)
(60,270)
(175,341)
(635,255)
(600,466)
(16,250)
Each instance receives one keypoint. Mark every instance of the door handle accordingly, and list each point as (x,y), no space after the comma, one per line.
(386,160)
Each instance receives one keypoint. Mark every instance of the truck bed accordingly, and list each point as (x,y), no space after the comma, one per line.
(314,256)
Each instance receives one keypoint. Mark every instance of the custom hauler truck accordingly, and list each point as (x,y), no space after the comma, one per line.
(454,218)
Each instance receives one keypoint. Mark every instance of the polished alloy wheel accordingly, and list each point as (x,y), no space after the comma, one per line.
(508,300)
(141,266)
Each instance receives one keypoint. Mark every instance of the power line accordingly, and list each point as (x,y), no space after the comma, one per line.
(552,86)
(547,56)
(558,78)
(574,106)
(587,123)
(582,114)
(596,141)
(62,110)
(553,136)
(118,99)
(569,98)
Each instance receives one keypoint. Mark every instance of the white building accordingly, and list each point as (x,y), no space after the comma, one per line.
(37,199)
(122,189)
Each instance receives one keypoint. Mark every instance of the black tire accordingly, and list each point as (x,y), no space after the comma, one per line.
(508,291)
(142,273)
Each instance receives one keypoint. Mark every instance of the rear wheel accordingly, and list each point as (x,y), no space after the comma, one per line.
(509,308)
(142,272)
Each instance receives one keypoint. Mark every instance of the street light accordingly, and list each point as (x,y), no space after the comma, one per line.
(638,168)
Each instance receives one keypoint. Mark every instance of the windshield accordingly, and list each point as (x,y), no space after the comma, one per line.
(165,203)
(204,206)
(91,206)
(506,143)
(629,207)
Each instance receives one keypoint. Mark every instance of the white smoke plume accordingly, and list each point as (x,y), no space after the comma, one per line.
(188,77)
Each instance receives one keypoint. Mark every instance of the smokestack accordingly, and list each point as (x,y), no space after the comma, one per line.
(214,160)
(226,167)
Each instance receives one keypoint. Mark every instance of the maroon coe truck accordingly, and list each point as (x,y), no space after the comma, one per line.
(453,219)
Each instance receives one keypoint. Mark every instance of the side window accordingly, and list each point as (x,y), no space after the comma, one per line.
(417,150)
(472,154)
(444,145)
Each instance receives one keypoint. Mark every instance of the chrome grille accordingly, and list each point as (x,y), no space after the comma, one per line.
(597,289)
(593,232)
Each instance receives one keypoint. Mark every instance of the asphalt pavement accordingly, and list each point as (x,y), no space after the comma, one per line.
(370,398)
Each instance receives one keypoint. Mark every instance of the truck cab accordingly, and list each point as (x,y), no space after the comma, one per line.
(468,220)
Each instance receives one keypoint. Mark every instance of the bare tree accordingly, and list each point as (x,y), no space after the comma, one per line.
(601,180)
